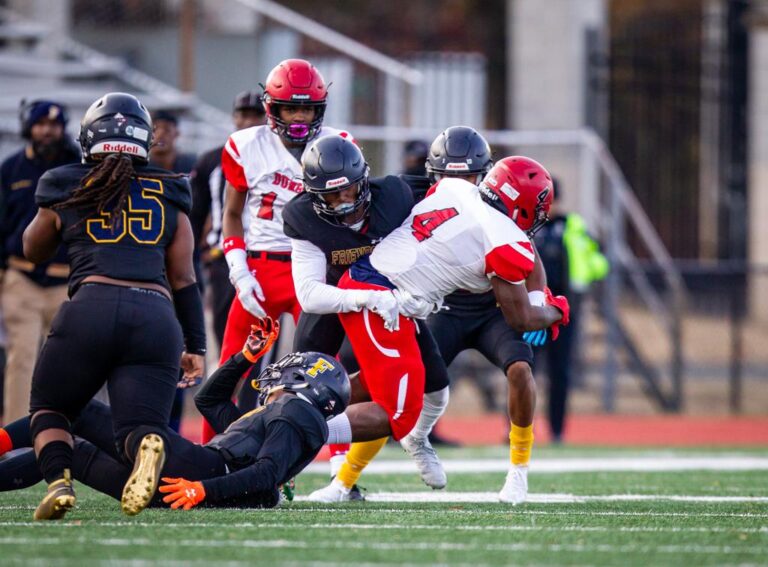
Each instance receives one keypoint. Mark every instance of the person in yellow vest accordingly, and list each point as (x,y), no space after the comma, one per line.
(572,260)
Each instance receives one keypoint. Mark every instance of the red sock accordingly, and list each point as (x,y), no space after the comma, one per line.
(5,442)
(338,449)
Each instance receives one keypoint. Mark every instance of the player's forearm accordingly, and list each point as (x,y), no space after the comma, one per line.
(321,298)
(538,278)
(530,317)
(214,400)
(232,217)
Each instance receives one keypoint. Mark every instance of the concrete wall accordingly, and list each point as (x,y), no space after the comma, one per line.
(547,83)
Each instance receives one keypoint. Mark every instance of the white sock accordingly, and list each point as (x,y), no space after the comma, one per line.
(336,462)
(339,430)
(434,406)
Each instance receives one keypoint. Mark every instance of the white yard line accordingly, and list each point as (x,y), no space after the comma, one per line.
(493,497)
(388,546)
(660,463)
(415,527)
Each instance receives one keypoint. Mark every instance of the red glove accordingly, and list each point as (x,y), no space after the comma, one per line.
(182,493)
(263,334)
(560,302)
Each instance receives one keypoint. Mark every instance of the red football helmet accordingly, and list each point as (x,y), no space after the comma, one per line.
(295,82)
(520,188)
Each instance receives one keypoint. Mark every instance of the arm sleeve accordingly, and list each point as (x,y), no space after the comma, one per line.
(308,265)
(214,400)
(232,166)
(281,449)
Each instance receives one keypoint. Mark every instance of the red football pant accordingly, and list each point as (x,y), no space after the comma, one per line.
(390,363)
(276,282)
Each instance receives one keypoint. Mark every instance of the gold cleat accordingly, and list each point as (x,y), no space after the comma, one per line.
(59,500)
(142,484)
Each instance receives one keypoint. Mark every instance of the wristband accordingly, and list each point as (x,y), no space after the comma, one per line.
(189,312)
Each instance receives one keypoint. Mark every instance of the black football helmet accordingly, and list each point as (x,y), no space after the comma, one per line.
(459,150)
(331,164)
(116,123)
(317,378)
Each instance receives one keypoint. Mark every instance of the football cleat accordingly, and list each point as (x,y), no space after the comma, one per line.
(59,499)
(142,484)
(427,461)
(336,492)
(288,490)
(515,490)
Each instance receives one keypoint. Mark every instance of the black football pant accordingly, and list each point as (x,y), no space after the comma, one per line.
(129,336)
(97,464)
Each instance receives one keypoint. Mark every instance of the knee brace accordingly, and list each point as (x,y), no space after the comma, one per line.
(48,420)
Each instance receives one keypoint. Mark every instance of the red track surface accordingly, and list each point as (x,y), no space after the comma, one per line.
(611,430)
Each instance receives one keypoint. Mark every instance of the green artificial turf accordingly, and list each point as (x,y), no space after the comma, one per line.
(650,532)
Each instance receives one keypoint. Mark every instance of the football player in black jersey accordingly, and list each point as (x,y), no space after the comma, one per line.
(130,251)
(337,220)
(475,320)
(252,453)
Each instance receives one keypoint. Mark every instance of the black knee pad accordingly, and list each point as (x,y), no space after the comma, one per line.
(48,420)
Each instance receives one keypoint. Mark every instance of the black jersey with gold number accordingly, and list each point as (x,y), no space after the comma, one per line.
(134,247)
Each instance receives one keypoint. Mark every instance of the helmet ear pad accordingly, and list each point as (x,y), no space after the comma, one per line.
(116,123)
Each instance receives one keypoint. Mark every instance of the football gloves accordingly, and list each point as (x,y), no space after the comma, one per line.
(249,290)
(413,307)
(263,335)
(182,493)
(561,303)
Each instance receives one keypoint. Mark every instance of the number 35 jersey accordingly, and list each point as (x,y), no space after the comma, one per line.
(453,240)
(133,248)
(254,160)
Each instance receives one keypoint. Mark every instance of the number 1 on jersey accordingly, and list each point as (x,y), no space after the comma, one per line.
(425,223)
(266,210)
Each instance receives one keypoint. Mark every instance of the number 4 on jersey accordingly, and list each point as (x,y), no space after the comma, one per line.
(425,223)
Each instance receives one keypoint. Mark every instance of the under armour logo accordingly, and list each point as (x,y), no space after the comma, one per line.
(191,493)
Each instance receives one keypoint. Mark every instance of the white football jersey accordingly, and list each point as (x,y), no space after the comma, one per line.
(453,240)
(256,161)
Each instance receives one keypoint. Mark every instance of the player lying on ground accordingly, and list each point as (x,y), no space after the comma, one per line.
(243,465)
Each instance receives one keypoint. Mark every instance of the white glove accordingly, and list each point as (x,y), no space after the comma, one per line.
(414,307)
(383,303)
(249,291)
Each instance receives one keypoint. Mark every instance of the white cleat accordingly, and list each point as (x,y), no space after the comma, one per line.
(515,490)
(334,492)
(427,461)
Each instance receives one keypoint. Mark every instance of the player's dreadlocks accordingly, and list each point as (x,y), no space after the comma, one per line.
(105,188)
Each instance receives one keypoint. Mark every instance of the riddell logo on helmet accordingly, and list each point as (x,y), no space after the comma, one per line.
(457,167)
(338,182)
(300,97)
(119,148)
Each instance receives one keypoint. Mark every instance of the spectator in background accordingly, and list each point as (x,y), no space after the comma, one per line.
(414,157)
(572,260)
(31,294)
(208,204)
(164,154)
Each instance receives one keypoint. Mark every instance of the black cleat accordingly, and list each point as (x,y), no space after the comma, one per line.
(59,500)
(142,484)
